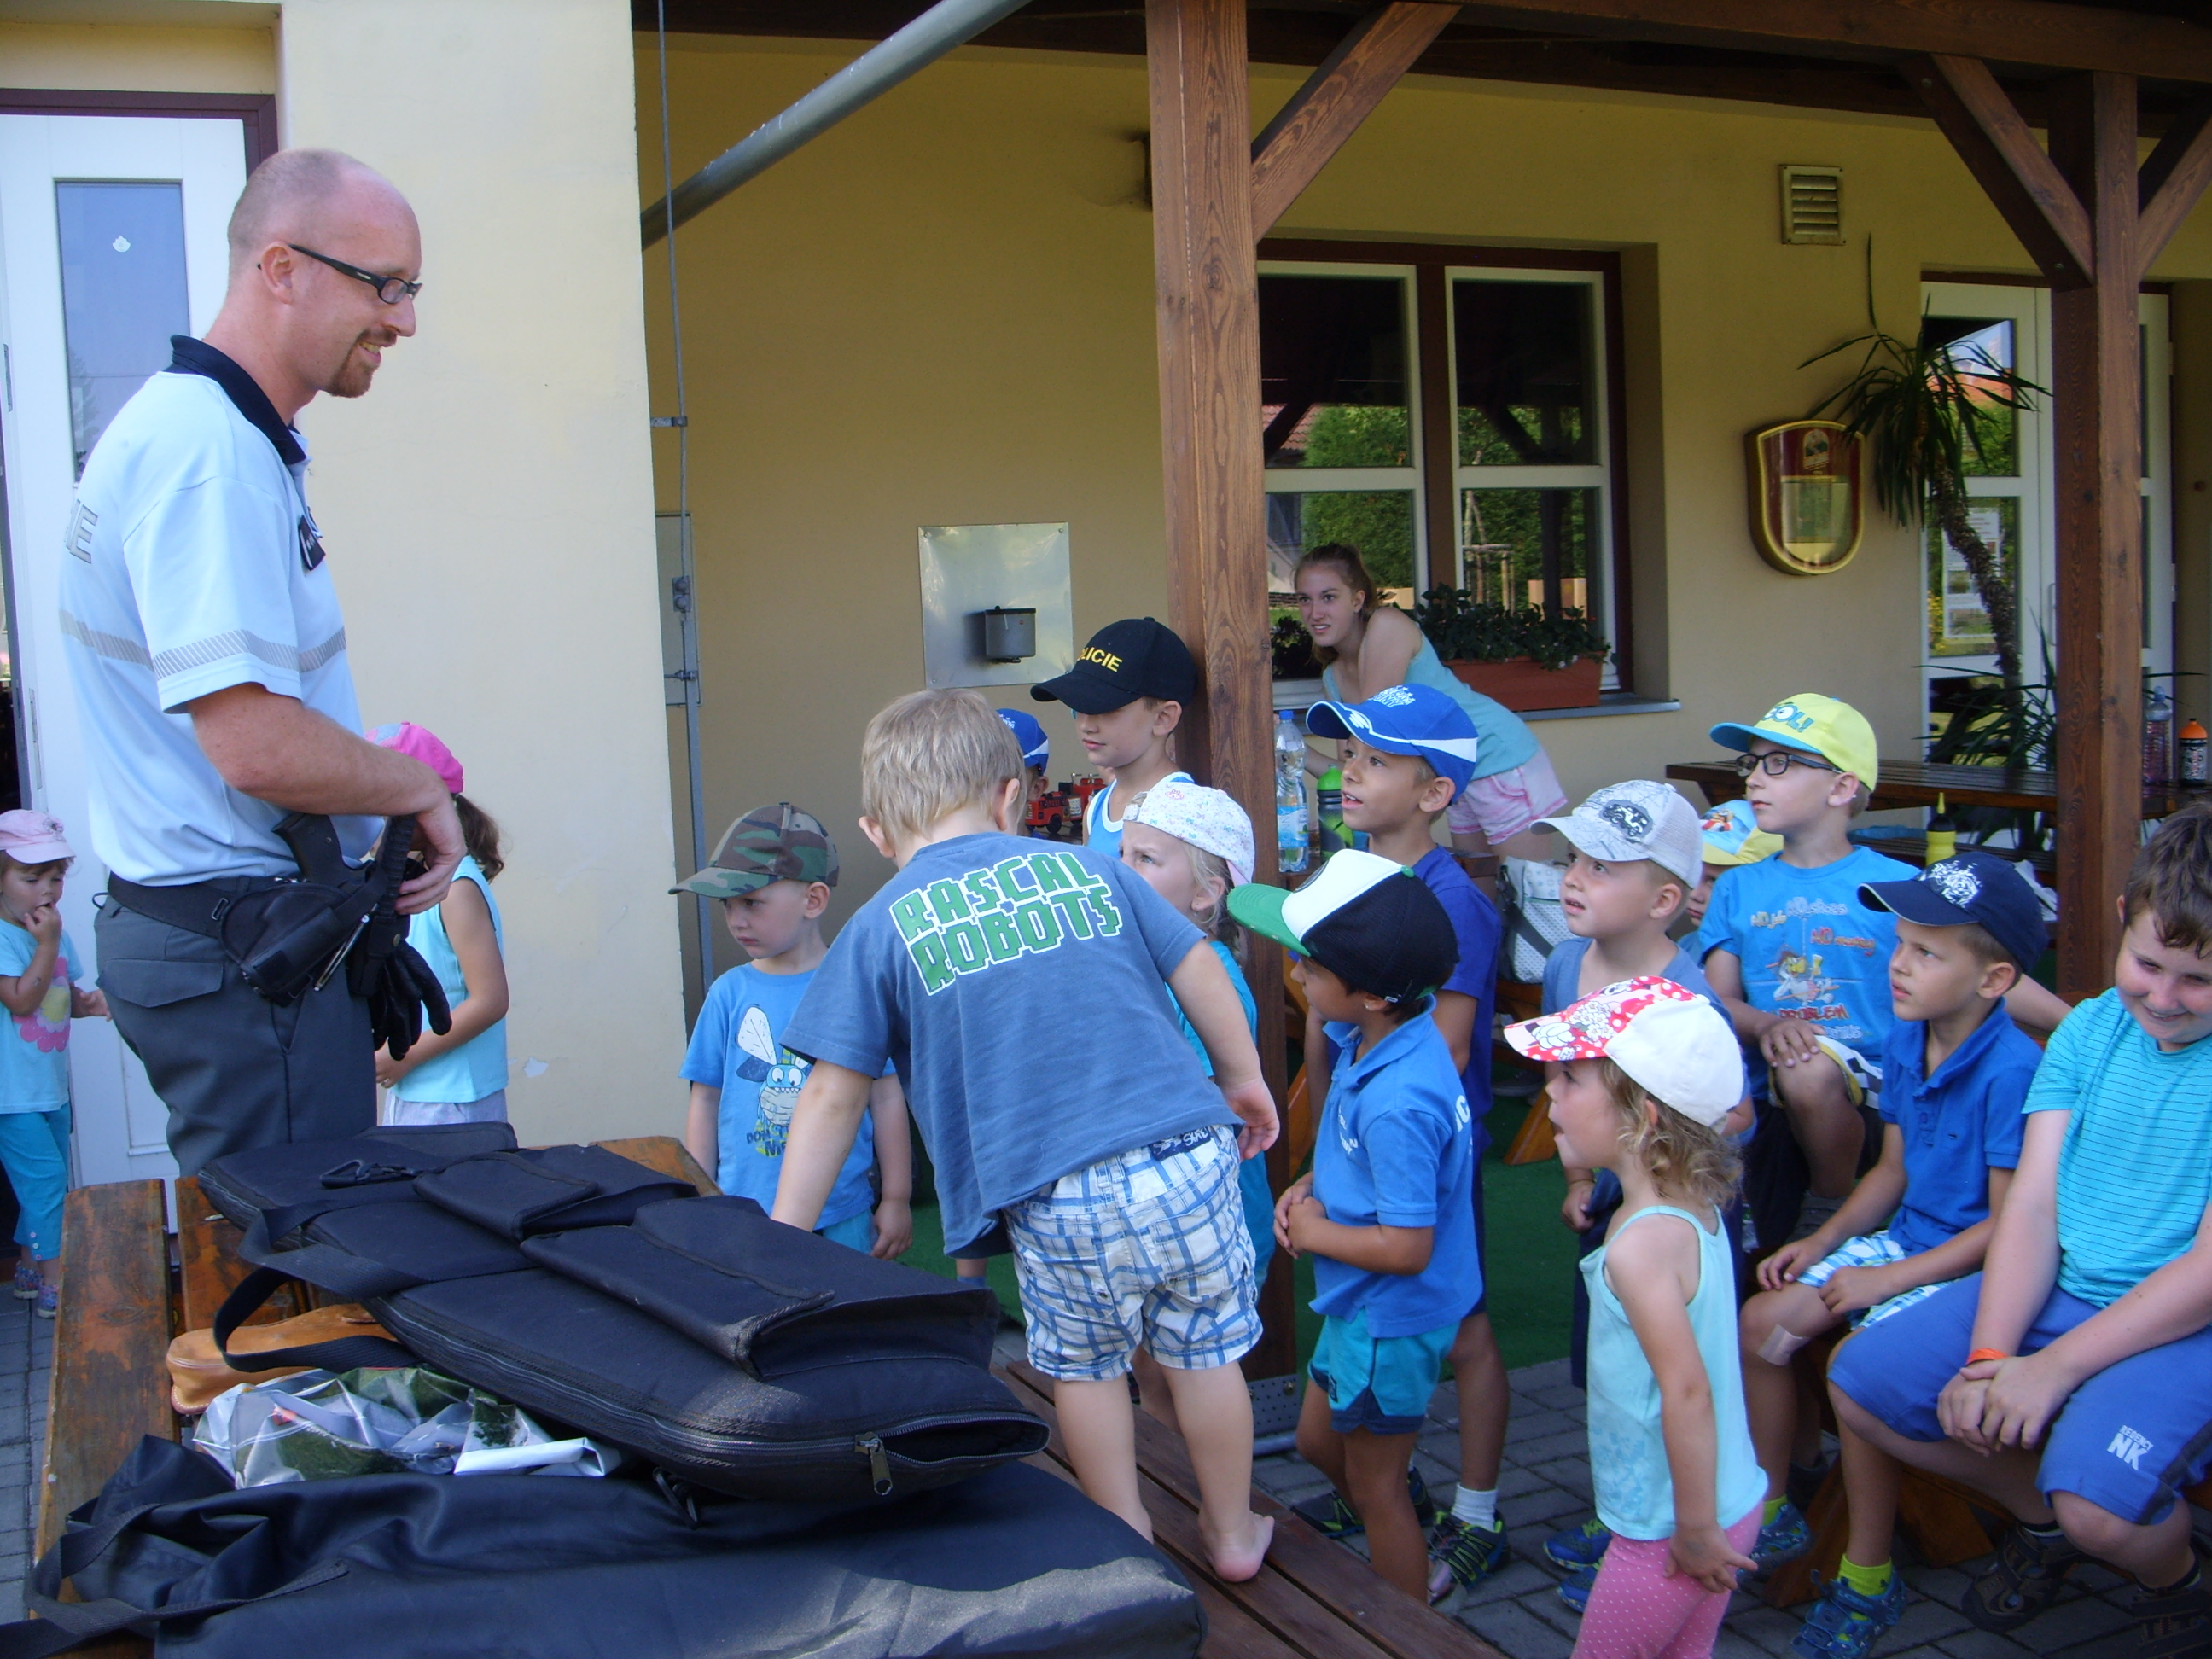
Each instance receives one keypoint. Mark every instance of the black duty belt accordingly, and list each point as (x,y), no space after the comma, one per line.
(197,907)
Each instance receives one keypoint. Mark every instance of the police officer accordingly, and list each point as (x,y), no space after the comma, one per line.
(209,662)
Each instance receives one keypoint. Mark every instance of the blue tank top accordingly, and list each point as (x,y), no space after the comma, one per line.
(1634,1487)
(1502,738)
(479,1067)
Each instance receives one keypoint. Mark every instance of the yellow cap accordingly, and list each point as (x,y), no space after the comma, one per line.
(1834,730)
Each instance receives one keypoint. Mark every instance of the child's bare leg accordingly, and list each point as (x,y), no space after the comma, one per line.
(1319,1442)
(1374,1480)
(2156,1555)
(1485,1402)
(1870,1482)
(1772,1326)
(1153,1391)
(1829,1130)
(1101,1437)
(2009,1475)
(1215,1408)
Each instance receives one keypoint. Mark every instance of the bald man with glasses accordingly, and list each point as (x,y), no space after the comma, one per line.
(208,656)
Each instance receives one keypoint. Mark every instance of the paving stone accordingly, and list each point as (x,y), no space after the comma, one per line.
(1553,1505)
(1927,1621)
(1510,1583)
(1552,1374)
(1540,1424)
(1510,1627)
(1729,1645)
(1513,1481)
(1533,1454)
(1572,1473)
(1562,1397)
(2069,1622)
(1770,1629)
(1971,1643)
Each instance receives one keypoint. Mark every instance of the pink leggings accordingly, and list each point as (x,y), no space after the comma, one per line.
(1636,1612)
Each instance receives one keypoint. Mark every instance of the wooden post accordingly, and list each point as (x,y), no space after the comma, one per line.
(1209,344)
(2097,402)
(2093,222)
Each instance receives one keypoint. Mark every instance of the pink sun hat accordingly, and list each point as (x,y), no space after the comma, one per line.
(31,837)
(1670,1040)
(420,743)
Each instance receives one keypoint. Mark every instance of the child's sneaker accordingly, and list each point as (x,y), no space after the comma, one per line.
(1579,1547)
(27,1279)
(1465,1555)
(1784,1537)
(1846,1625)
(1575,1588)
(1333,1517)
(50,1300)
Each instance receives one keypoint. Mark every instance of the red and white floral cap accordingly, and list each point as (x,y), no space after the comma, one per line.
(1672,1041)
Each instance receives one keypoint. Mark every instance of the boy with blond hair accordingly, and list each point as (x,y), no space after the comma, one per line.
(985,964)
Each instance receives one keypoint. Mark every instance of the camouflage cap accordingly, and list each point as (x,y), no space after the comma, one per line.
(769,843)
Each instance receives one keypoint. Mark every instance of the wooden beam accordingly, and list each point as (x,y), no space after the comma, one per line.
(1208,295)
(2036,32)
(2173,179)
(1999,151)
(2096,404)
(1336,98)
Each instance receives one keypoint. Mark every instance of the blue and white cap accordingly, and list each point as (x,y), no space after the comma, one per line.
(1406,720)
(1037,748)
(1971,885)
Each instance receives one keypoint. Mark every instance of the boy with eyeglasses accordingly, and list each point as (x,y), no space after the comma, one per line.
(1802,963)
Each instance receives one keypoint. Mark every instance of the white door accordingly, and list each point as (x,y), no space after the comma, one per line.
(111,240)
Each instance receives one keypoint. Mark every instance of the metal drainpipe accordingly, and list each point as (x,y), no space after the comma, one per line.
(948,24)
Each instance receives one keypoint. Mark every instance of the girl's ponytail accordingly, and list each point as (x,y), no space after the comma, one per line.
(480,835)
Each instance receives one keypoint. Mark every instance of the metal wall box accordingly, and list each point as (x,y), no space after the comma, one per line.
(1009,636)
(971,571)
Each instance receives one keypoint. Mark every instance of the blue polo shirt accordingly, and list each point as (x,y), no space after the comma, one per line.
(1475,924)
(1958,1124)
(1396,1149)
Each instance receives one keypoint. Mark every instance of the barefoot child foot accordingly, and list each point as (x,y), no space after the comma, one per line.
(1238,1556)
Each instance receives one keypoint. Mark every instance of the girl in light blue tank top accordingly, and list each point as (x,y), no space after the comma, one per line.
(1676,1478)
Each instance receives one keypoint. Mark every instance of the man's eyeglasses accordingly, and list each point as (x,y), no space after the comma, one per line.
(390,289)
(1775,761)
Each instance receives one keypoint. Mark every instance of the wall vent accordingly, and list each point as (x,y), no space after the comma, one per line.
(1813,205)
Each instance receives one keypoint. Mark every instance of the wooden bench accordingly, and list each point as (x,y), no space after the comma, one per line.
(125,1300)
(1313,1599)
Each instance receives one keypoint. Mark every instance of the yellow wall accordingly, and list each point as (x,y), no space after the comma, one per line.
(116,57)
(488,504)
(942,310)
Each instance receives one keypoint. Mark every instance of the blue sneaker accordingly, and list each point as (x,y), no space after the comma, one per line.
(1784,1537)
(1575,1588)
(1846,1625)
(1578,1547)
(1462,1557)
(27,1278)
(1332,1516)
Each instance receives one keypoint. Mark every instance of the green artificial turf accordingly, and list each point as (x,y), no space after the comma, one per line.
(1531,1255)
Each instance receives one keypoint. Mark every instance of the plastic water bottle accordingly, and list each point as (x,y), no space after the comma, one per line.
(1293,845)
(2158,738)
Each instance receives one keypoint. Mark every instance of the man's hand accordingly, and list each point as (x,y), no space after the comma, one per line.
(1789,1042)
(1849,1288)
(1786,1264)
(438,838)
(894,1230)
(1255,1108)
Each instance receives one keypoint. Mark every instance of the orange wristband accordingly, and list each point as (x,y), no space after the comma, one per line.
(1980,1354)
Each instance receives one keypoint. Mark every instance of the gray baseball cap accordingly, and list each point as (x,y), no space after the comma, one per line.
(1638,819)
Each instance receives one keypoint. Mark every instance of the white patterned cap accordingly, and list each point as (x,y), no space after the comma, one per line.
(1672,1041)
(1638,819)
(1209,819)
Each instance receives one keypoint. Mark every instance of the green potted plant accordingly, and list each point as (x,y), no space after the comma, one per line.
(1528,658)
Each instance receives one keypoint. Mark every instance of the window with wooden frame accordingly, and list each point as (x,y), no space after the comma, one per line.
(1454,413)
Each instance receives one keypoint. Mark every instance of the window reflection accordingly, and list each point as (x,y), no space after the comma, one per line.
(1525,385)
(123,294)
(1528,547)
(1333,384)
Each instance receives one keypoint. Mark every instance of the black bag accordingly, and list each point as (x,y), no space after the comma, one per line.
(731,1349)
(1014,1562)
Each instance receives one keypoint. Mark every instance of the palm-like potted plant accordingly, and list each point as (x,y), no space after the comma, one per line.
(1921,408)
(1526,660)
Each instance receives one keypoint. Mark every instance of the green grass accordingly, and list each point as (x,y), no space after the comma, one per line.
(1532,1256)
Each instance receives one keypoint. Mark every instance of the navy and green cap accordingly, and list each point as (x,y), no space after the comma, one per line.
(1372,922)
(769,843)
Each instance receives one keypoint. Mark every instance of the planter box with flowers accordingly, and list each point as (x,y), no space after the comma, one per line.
(1525,660)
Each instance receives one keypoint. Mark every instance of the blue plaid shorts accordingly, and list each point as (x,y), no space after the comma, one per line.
(1869,1250)
(1146,1247)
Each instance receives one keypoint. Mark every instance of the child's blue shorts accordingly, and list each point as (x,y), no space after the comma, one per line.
(2128,1440)
(1382,1384)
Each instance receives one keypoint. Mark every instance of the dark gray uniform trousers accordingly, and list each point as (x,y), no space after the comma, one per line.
(234,1070)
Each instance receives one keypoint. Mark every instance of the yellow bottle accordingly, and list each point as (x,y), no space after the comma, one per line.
(1942,834)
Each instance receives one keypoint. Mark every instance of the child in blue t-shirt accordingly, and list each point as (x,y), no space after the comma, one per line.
(2071,1379)
(1384,1211)
(1801,963)
(1954,1076)
(1022,992)
(38,963)
(1409,753)
(773,874)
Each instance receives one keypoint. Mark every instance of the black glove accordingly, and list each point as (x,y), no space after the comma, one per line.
(383,969)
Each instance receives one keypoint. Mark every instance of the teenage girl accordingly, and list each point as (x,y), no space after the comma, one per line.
(37,963)
(1366,646)
(1192,844)
(461,1077)
(1677,1480)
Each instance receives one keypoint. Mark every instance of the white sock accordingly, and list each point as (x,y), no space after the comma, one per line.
(1476,1508)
